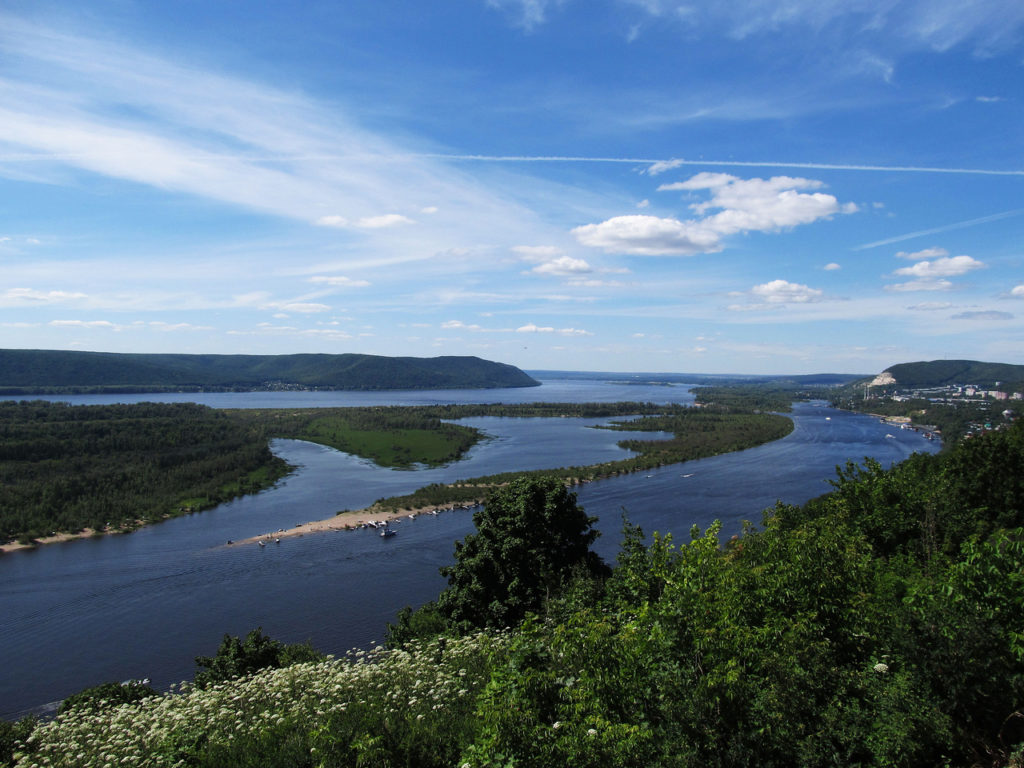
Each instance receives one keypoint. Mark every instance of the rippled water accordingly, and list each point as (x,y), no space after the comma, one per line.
(145,604)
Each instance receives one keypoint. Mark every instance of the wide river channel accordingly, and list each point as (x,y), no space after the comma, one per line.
(144,605)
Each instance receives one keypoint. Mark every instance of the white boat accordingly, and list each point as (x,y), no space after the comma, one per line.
(387,532)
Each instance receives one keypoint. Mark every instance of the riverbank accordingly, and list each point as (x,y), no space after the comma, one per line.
(14,546)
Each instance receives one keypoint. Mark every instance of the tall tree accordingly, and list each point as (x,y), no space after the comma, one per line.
(532,538)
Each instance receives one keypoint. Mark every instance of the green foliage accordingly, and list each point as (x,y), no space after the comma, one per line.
(29,370)
(424,623)
(239,658)
(106,695)
(940,372)
(531,537)
(391,436)
(12,735)
(107,467)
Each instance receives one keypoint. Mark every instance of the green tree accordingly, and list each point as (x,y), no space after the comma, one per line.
(237,658)
(532,538)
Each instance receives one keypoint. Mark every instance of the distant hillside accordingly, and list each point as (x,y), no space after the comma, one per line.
(31,370)
(938,373)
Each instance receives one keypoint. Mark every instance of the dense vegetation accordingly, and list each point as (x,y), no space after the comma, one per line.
(391,436)
(110,467)
(24,371)
(881,624)
(67,468)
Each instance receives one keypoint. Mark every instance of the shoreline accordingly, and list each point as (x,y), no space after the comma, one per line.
(352,521)
(14,546)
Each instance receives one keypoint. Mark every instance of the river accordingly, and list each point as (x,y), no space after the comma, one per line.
(143,605)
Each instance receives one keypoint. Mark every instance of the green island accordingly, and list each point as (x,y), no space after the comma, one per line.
(881,624)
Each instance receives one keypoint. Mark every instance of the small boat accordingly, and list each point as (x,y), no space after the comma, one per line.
(262,543)
(891,437)
(387,533)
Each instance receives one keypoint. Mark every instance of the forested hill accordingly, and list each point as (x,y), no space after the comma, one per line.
(937,373)
(30,370)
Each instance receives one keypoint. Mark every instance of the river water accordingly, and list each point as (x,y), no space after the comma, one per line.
(144,605)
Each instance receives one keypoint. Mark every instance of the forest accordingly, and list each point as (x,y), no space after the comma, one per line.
(881,624)
(27,371)
(113,467)
(108,468)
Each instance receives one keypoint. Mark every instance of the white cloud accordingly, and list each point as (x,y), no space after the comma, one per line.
(927,253)
(740,205)
(32,296)
(942,267)
(84,324)
(983,315)
(920,285)
(583,282)
(662,166)
(331,221)
(832,267)
(648,236)
(643,204)
(784,292)
(537,252)
(459,325)
(532,328)
(170,327)
(930,306)
(762,205)
(563,265)
(301,307)
(383,221)
(339,281)
(1018,291)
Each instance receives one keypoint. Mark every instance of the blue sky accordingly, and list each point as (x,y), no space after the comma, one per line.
(618,185)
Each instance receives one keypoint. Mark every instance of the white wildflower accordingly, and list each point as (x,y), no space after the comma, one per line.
(881,668)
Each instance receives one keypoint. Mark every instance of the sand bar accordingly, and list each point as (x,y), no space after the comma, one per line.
(350,521)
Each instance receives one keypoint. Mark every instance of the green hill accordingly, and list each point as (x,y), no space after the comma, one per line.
(937,373)
(31,370)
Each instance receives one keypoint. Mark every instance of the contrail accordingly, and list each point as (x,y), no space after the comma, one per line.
(676,162)
(936,230)
(665,165)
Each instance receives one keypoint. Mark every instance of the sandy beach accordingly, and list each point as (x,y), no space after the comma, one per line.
(350,521)
(14,546)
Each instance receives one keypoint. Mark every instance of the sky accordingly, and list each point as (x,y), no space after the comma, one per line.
(752,187)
